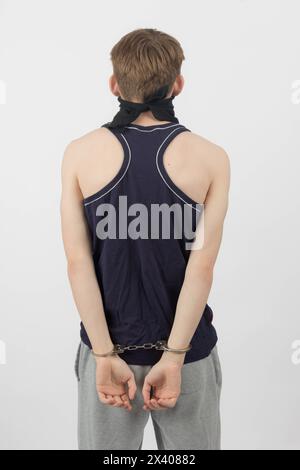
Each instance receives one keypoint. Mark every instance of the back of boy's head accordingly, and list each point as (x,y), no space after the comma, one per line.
(145,60)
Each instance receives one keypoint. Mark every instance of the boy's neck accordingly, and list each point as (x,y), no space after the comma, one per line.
(147,119)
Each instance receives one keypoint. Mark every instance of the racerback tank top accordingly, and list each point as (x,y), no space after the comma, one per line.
(139,246)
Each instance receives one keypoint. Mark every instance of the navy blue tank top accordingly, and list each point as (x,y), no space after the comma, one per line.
(141,225)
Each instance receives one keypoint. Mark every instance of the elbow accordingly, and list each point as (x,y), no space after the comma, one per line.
(76,265)
(200,273)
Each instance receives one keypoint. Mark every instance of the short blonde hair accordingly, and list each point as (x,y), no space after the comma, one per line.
(145,60)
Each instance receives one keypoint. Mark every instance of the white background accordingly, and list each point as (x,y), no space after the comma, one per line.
(242,60)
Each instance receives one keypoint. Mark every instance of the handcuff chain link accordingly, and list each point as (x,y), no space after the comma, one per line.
(133,347)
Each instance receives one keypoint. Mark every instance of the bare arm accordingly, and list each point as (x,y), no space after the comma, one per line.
(165,376)
(115,381)
(199,272)
(80,265)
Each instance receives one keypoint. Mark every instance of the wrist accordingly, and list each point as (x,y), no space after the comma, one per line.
(107,359)
(103,347)
(174,358)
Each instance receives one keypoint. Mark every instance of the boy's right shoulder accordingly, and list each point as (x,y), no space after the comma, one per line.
(204,145)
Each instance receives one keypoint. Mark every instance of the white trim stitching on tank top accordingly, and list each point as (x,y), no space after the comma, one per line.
(108,191)
(151,130)
(189,204)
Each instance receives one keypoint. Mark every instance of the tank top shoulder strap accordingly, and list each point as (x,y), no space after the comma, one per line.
(169,133)
(118,132)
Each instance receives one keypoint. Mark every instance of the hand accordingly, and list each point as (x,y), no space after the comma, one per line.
(165,379)
(112,376)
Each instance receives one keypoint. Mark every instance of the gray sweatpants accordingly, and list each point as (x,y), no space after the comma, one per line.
(193,424)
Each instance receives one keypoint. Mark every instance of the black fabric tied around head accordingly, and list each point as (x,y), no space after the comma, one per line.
(162,109)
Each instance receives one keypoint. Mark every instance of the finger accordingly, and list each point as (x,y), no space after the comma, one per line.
(112,399)
(118,402)
(131,387)
(167,402)
(156,405)
(146,391)
(104,398)
(151,406)
(126,401)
